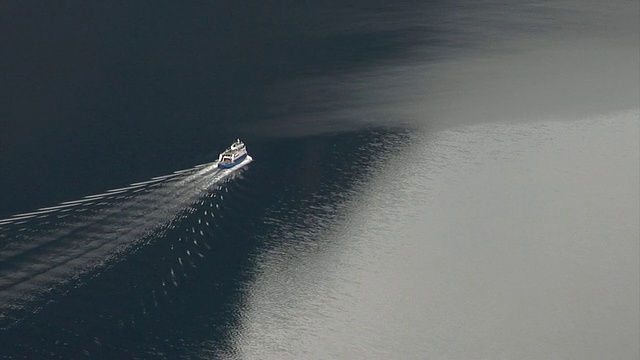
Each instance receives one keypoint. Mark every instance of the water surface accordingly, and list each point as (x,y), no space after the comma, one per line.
(431,180)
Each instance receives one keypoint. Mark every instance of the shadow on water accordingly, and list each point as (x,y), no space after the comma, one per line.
(115,93)
(100,95)
(181,287)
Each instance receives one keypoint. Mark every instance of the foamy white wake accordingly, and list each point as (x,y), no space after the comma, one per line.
(53,247)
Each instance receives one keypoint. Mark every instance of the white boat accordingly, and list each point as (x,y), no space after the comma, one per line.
(233,155)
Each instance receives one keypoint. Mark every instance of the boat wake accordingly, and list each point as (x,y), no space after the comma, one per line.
(55,249)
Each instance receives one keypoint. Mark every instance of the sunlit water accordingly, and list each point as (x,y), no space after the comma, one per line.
(451,180)
(494,241)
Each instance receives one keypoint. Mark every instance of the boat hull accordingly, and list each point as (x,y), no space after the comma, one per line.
(232,164)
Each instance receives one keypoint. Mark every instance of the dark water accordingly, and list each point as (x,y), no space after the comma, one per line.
(430,180)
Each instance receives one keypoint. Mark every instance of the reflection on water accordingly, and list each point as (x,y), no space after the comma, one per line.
(491,241)
(486,241)
(376,221)
(178,286)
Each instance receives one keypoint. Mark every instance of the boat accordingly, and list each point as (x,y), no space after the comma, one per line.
(233,155)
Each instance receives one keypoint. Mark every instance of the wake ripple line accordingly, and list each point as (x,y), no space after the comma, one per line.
(27,278)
